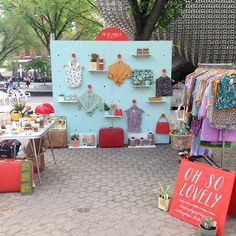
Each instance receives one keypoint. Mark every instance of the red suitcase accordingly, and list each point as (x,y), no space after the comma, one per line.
(10,176)
(111,137)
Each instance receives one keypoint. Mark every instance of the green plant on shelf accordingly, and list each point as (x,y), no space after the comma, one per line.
(106,107)
(94,57)
(74,137)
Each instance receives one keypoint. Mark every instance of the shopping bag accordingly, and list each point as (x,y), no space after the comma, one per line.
(163,127)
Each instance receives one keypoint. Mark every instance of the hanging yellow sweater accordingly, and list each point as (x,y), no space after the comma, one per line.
(118,72)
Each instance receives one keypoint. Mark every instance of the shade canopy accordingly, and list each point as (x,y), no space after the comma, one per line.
(44,109)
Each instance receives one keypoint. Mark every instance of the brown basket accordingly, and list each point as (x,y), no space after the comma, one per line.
(180,142)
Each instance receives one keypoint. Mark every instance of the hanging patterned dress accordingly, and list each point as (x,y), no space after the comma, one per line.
(164,87)
(134,115)
(73,74)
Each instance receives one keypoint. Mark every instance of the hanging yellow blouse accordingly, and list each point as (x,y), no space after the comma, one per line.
(118,72)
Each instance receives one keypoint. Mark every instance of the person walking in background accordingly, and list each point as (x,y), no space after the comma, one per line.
(11,86)
(27,81)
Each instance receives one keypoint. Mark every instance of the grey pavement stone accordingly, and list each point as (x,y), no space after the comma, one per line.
(100,192)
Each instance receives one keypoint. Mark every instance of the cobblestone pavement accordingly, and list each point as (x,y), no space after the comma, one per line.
(99,192)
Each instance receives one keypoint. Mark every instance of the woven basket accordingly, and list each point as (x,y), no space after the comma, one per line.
(180,142)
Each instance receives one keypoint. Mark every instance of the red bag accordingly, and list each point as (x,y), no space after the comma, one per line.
(163,127)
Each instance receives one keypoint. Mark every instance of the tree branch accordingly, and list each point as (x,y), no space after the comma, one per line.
(137,17)
(152,18)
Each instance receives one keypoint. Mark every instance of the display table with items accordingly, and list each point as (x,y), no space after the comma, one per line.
(29,129)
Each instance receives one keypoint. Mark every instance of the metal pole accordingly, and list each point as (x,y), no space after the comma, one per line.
(223,149)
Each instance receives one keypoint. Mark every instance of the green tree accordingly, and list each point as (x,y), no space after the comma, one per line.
(149,15)
(55,19)
(10,37)
(41,65)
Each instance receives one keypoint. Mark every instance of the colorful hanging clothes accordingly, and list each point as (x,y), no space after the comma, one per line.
(90,102)
(73,74)
(118,72)
(196,150)
(226,96)
(164,87)
(134,115)
(219,118)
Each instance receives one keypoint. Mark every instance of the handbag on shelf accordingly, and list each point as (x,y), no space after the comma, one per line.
(163,127)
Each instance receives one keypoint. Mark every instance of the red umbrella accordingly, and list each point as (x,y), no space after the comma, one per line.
(44,109)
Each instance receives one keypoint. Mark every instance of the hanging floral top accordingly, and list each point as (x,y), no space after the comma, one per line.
(134,115)
(90,102)
(226,97)
(164,87)
(142,77)
(73,74)
(118,72)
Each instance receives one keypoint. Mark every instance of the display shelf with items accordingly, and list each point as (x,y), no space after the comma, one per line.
(86,140)
(96,63)
(141,140)
(142,52)
(155,100)
(67,98)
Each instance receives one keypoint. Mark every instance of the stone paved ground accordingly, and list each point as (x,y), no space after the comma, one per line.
(99,192)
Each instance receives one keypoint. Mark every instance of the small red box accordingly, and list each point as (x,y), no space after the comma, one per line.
(111,137)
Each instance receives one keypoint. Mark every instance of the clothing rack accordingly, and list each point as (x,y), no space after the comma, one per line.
(221,66)
(218,65)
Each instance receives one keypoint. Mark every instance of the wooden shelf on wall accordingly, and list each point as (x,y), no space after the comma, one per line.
(67,101)
(140,55)
(155,101)
(141,86)
(97,70)
(111,116)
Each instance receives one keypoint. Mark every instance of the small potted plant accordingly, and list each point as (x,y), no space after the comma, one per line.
(61,97)
(93,65)
(74,140)
(107,109)
(164,197)
(208,227)
(16,112)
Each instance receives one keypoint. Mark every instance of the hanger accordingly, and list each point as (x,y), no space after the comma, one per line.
(119,57)
(134,104)
(90,89)
(73,61)
(164,75)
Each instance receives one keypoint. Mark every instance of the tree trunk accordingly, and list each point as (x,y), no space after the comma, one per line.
(144,29)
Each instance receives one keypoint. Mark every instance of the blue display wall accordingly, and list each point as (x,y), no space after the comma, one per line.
(77,120)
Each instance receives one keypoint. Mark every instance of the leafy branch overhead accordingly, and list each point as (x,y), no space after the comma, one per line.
(56,19)
(151,14)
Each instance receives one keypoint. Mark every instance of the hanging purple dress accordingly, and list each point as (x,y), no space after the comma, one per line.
(134,115)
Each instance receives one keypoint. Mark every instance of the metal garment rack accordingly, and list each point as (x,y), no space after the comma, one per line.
(209,159)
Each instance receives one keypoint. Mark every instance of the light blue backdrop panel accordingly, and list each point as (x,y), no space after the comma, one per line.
(77,120)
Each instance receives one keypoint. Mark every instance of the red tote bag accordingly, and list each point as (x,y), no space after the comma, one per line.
(163,127)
